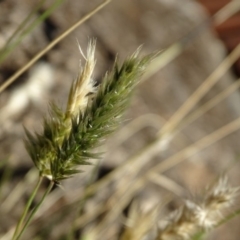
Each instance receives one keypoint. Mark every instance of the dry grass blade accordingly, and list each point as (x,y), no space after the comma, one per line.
(176,49)
(208,105)
(168,184)
(51,45)
(156,121)
(200,92)
(198,146)
(226,12)
(131,128)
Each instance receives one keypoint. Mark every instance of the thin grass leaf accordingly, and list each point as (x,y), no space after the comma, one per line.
(27,30)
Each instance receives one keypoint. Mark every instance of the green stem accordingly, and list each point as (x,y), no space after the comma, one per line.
(229,217)
(30,200)
(35,210)
(7,172)
(23,24)
(11,46)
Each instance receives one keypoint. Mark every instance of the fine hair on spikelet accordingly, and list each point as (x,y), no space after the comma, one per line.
(194,217)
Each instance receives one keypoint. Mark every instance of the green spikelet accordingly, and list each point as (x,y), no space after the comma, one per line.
(70,140)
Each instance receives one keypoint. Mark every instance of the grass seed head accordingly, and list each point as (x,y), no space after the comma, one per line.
(193,217)
(70,138)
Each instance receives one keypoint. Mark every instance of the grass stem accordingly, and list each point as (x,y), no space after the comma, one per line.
(51,45)
(30,200)
(35,210)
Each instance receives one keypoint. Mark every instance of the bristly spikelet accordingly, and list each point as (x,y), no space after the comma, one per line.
(180,225)
(218,198)
(70,138)
(81,92)
(193,217)
(84,85)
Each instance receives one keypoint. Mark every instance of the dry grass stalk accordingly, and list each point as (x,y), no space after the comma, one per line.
(52,44)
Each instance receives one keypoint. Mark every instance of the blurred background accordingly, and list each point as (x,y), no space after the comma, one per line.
(120,28)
